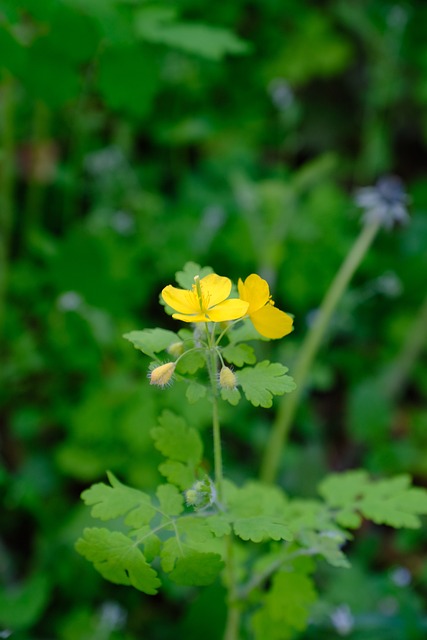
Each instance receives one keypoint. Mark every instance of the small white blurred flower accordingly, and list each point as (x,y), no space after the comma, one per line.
(343,620)
(112,616)
(69,301)
(281,93)
(401,577)
(385,203)
(123,223)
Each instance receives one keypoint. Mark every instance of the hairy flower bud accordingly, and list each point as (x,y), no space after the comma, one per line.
(162,375)
(202,494)
(227,379)
(176,349)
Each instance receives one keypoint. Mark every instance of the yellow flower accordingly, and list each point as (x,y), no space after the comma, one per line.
(206,301)
(269,321)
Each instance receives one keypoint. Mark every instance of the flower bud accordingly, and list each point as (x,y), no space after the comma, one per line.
(161,376)
(202,494)
(176,349)
(227,379)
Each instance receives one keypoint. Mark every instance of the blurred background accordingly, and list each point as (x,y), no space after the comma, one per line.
(135,136)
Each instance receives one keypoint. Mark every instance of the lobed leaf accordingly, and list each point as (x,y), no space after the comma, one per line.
(185,278)
(178,473)
(151,341)
(117,559)
(261,382)
(259,528)
(171,500)
(118,499)
(198,569)
(239,354)
(195,392)
(177,441)
(392,501)
(232,396)
(286,607)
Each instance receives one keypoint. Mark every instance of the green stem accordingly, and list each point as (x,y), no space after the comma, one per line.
(289,404)
(233,610)
(212,362)
(232,625)
(34,189)
(7,179)
(395,379)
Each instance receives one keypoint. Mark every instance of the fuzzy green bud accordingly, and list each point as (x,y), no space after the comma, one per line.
(176,349)
(162,375)
(202,494)
(227,379)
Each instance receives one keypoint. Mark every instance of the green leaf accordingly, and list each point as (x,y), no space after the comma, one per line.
(340,489)
(132,92)
(245,332)
(178,473)
(195,392)
(112,502)
(198,569)
(260,383)
(393,501)
(219,525)
(176,440)
(171,500)
(151,341)
(286,607)
(239,354)
(327,544)
(117,559)
(232,396)
(259,528)
(200,39)
(191,362)
(185,278)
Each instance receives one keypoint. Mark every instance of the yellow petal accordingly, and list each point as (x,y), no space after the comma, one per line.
(254,290)
(270,322)
(215,289)
(181,300)
(198,317)
(228,310)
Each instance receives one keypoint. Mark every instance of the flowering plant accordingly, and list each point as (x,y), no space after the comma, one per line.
(194,529)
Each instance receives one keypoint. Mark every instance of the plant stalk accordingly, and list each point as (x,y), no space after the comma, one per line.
(7,178)
(395,379)
(289,404)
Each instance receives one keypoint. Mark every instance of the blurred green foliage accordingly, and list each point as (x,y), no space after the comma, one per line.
(135,136)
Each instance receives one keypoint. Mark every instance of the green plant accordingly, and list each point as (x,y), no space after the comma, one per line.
(196,529)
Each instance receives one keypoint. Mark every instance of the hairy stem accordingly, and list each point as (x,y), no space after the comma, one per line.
(289,404)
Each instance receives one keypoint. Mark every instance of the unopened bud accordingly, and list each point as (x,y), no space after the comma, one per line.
(176,349)
(202,494)
(227,379)
(161,376)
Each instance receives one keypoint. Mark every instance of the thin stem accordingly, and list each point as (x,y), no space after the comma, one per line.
(7,179)
(289,404)
(212,368)
(259,579)
(233,610)
(34,188)
(394,380)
